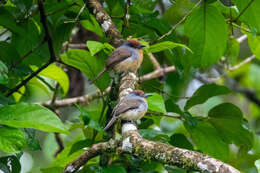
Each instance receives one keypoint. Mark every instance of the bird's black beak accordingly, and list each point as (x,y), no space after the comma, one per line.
(141,46)
(147,95)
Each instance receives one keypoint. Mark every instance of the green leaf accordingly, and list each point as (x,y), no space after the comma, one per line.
(156,103)
(232,50)
(228,120)
(173,107)
(94,47)
(179,140)
(65,157)
(254,44)
(207,139)
(92,25)
(87,119)
(166,45)
(3,73)
(89,65)
(114,169)
(11,164)
(154,135)
(207,32)
(254,77)
(257,164)
(205,92)
(251,15)
(28,115)
(11,139)
(56,73)
(31,141)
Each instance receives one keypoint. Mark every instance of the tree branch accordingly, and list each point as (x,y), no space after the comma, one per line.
(92,152)
(24,82)
(242,12)
(154,61)
(86,99)
(248,59)
(157,73)
(166,154)
(106,23)
(46,30)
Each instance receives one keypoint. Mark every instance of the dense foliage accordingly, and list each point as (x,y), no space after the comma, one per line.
(214,100)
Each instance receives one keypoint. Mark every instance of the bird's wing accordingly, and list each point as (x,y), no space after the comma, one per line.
(117,56)
(125,106)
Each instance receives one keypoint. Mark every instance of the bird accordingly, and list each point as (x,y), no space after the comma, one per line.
(127,57)
(132,107)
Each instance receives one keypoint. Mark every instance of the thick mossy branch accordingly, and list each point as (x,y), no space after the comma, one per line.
(166,154)
(95,150)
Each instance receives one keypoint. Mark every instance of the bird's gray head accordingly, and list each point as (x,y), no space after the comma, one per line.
(140,93)
(134,44)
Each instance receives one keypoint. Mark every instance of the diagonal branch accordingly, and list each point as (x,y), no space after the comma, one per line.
(182,20)
(242,12)
(24,82)
(94,151)
(46,30)
(106,23)
(170,155)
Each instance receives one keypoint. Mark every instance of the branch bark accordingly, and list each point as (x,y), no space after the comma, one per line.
(166,154)
(94,151)
(106,22)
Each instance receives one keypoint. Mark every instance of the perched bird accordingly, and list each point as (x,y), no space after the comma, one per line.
(132,107)
(127,57)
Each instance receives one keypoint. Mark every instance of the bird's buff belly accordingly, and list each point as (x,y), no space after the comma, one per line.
(133,115)
(127,65)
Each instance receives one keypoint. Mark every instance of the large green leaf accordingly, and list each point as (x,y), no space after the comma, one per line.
(207,32)
(251,15)
(28,115)
(228,120)
(207,139)
(156,103)
(56,73)
(89,65)
(92,25)
(206,91)
(11,139)
(166,45)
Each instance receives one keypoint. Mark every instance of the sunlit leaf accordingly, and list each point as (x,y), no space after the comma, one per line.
(28,115)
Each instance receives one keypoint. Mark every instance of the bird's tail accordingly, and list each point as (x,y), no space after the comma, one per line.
(110,123)
(98,75)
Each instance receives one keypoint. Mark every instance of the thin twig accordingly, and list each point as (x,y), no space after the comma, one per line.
(242,38)
(154,61)
(77,17)
(182,20)
(24,82)
(248,59)
(164,115)
(46,30)
(156,73)
(242,12)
